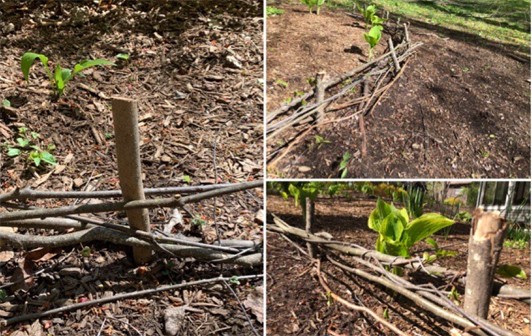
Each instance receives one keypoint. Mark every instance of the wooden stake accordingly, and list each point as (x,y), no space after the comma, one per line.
(320,95)
(309,223)
(407,36)
(394,56)
(485,245)
(125,120)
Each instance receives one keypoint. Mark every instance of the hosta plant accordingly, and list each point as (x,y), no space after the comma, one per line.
(397,233)
(313,3)
(60,76)
(374,26)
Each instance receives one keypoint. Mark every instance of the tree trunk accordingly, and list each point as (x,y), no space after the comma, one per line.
(485,245)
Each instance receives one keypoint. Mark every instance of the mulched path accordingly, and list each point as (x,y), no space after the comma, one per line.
(196,69)
(297,304)
(461,108)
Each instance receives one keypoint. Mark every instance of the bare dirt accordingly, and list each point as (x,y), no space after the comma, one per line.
(196,69)
(461,108)
(297,304)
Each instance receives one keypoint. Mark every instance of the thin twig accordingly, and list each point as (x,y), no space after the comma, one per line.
(241,307)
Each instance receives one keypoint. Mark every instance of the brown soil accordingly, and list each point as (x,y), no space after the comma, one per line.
(297,304)
(196,70)
(461,108)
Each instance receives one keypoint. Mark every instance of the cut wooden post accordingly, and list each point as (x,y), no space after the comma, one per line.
(125,120)
(394,56)
(320,95)
(485,245)
(309,222)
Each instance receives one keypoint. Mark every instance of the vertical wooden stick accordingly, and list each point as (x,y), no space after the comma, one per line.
(407,36)
(320,95)
(485,245)
(309,222)
(394,56)
(125,120)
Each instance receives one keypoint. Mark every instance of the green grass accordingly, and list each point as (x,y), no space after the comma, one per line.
(506,21)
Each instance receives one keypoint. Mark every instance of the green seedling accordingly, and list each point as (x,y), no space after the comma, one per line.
(281,83)
(28,143)
(86,252)
(108,136)
(298,93)
(198,221)
(374,26)
(287,100)
(234,280)
(6,103)
(454,296)
(61,76)
(386,314)
(321,141)
(187,179)
(313,3)
(344,164)
(272,11)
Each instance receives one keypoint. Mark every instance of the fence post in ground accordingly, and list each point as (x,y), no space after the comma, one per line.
(125,120)
(309,223)
(485,245)
(320,95)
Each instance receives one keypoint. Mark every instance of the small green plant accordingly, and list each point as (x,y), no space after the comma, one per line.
(344,164)
(313,3)
(234,280)
(6,103)
(374,26)
(86,252)
(28,142)
(61,76)
(463,216)
(3,295)
(511,271)
(520,244)
(397,233)
(198,221)
(321,141)
(272,11)
(454,296)
(281,83)
(187,179)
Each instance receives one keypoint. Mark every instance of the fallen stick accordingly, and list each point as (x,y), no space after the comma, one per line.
(355,307)
(30,194)
(175,201)
(15,240)
(122,297)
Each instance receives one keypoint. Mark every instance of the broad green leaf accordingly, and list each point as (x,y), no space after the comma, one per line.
(27,61)
(511,271)
(374,35)
(378,214)
(35,135)
(48,158)
(90,63)
(23,142)
(6,103)
(425,226)
(35,157)
(13,151)
(59,80)
(395,248)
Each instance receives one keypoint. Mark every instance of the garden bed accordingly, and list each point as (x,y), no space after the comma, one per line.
(449,115)
(297,304)
(196,70)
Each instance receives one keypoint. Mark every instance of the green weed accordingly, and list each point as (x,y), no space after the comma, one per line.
(272,11)
(61,76)
(28,143)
